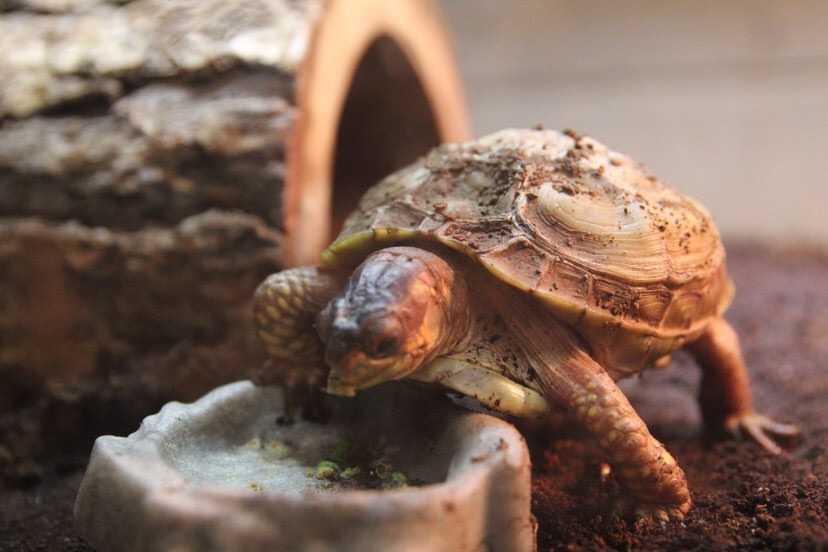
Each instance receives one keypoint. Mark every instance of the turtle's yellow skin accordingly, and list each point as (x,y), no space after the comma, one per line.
(529,270)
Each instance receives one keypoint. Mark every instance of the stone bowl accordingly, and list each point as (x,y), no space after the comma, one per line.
(396,468)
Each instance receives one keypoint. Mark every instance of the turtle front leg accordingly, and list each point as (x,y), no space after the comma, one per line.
(286,305)
(570,377)
(725,389)
(642,464)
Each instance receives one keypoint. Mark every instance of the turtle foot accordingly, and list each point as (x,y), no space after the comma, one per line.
(763,430)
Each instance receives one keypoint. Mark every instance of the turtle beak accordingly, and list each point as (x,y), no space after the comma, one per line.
(337,387)
(354,372)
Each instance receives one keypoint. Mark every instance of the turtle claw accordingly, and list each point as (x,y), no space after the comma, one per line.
(660,512)
(762,430)
(301,389)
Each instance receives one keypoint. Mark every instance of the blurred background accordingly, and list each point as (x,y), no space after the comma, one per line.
(728,101)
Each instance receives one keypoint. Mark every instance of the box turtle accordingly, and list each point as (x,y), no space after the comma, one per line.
(529,270)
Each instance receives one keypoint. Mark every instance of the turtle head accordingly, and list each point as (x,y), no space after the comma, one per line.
(401,308)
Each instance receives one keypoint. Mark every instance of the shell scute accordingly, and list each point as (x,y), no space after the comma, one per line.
(682,310)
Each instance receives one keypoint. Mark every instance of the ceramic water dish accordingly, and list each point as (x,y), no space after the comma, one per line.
(394,468)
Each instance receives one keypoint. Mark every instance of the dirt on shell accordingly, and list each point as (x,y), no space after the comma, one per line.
(744,498)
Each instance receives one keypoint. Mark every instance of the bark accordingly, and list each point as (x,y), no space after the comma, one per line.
(142,151)
(163,153)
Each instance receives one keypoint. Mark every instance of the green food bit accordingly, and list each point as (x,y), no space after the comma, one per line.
(398,480)
(348,473)
(327,469)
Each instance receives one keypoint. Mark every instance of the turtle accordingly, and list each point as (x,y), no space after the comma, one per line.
(529,270)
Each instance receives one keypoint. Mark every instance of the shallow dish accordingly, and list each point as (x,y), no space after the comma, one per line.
(394,468)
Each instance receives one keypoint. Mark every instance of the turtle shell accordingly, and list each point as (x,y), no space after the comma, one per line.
(634,266)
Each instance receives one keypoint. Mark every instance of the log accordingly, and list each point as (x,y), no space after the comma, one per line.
(186,85)
(159,157)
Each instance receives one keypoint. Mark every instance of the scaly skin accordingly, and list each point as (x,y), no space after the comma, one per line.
(285,308)
(643,465)
(571,378)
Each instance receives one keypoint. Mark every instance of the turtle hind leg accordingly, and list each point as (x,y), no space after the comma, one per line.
(285,308)
(725,397)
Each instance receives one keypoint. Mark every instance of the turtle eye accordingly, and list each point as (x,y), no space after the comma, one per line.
(382,337)
(385,347)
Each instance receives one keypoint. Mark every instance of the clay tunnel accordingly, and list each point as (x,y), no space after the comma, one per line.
(368,104)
